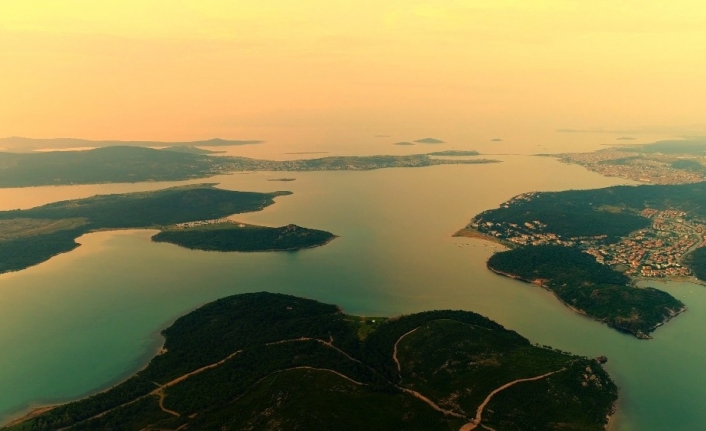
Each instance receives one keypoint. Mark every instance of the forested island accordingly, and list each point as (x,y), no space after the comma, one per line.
(182,162)
(603,240)
(232,236)
(29,237)
(271,361)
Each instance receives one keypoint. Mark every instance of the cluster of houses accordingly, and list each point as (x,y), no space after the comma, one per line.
(656,251)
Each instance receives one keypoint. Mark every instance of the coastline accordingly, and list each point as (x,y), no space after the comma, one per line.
(473,233)
(39,408)
(639,334)
(467,232)
(269,250)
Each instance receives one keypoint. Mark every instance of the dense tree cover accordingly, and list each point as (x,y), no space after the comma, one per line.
(273,376)
(222,327)
(610,211)
(151,209)
(696,260)
(441,353)
(550,404)
(306,400)
(379,344)
(230,237)
(132,210)
(20,253)
(588,286)
(567,216)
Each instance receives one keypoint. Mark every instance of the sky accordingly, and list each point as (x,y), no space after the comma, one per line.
(332,70)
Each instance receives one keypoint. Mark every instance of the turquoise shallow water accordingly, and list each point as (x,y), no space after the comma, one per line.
(87,319)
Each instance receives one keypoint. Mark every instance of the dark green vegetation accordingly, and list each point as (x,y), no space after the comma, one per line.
(581,219)
(28,237)
(19,144)
(269,361)
(235,237)
(451,153)
(612,211)
(696,260)
(590,287)
(134,164)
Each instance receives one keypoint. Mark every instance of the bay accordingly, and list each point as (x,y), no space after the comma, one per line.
(86,319)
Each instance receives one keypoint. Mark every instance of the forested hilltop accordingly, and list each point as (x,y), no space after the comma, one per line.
(135,164)
(29,237)
(582,243)
(271,361)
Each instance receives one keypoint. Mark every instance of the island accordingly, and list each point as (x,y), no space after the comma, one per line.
(136,164)
(29,237)
(273,361)
(590,247)
(233,236)
(429,141)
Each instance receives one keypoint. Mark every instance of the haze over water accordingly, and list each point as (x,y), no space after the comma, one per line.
(89,318)
(325,77)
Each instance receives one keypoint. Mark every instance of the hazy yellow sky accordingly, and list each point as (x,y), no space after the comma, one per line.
(332,70)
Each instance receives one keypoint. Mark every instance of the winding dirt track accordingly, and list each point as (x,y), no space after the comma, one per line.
(471,425)
(394,351)
(479,413)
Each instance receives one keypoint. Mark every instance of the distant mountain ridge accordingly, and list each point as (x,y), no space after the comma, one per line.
(17,143)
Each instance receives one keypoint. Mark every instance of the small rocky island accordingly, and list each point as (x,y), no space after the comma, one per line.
(233,236)
(262,361)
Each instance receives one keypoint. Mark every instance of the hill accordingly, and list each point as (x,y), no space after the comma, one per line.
(269,361)
(230,236)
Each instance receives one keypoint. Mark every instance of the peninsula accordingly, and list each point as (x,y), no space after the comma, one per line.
(663,162)
(271,361)
(590,246)
(32,236)
(135,164)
